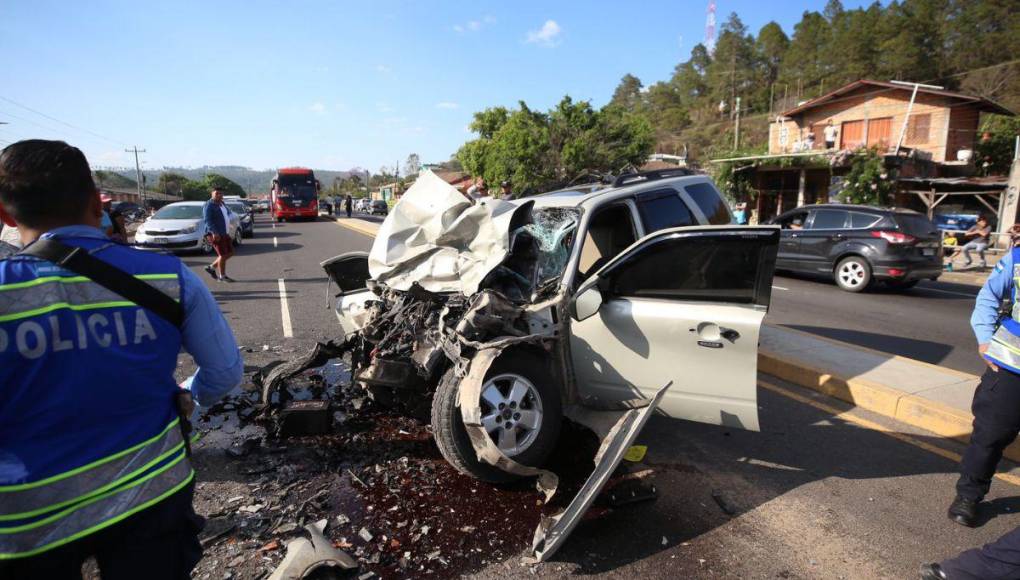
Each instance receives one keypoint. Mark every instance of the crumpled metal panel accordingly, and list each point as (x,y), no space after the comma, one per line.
(552,531)
(441,239)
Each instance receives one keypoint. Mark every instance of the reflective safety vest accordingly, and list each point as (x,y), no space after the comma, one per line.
(89,429)
(1004,348)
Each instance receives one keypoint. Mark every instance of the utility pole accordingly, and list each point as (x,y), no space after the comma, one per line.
(138,173)
(910,107)
(736,124)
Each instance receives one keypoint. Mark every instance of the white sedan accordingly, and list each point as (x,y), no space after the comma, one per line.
(179,227)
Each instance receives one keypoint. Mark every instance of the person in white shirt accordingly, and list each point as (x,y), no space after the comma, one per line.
(830,135)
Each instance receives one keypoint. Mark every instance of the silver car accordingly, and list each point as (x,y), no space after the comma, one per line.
(179,227)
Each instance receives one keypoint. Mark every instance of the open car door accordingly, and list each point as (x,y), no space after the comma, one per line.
(682,305)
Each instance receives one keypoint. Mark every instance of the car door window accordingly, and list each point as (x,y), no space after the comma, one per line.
(829,219)
(610,231)
(794,221)
(702,266)
(710,202)
(664,209)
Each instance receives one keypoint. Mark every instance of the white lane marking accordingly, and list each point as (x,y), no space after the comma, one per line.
(288,330)
(275,243)
(774,287)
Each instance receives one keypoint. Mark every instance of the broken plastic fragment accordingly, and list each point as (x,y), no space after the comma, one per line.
(307,558)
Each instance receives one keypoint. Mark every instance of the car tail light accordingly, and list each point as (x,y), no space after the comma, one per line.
(896,272)
(893,237)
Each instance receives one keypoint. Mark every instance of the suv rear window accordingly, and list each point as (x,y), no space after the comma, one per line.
(710,202)
(916,225)
(861,220)
(664,209)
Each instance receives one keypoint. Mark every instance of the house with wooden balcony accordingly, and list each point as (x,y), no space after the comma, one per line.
(924,134)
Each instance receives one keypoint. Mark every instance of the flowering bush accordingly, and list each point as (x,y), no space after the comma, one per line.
(868,182)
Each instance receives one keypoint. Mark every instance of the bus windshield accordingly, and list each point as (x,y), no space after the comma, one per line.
(297,186)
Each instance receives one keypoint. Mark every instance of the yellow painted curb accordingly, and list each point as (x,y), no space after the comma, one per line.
(919,412)
(358,226)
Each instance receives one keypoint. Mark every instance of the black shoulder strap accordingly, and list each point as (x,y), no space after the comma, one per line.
(112,278)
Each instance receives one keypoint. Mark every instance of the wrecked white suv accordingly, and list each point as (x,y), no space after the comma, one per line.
(497,319)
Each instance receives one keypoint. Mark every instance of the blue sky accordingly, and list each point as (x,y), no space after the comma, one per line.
(324,84)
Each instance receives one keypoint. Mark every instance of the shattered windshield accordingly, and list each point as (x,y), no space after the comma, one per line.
(554,230)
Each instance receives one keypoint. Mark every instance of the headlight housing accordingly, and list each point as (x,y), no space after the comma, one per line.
(190,230)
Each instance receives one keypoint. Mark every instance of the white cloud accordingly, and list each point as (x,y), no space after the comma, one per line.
(447,105)
(474,25)
(548,35)
(383,69)
(318,108)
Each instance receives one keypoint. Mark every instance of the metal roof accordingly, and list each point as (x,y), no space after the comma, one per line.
(983,104)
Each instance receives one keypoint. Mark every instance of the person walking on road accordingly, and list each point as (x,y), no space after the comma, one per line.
(216,219)
(999,560)
(996,405)
(977,239)
(94,460)
(348,205)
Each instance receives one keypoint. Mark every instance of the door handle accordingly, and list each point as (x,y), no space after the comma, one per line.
(712,335)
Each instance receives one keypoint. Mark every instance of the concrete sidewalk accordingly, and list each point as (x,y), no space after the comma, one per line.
(975,277)
(359,225)
(923,395)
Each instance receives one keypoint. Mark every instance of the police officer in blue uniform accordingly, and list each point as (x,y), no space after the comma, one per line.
(93,457)
(996,405)
(996,409)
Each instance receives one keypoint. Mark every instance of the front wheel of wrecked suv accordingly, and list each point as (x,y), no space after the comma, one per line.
(521,412)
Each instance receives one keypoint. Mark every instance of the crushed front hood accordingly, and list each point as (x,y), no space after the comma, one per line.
(437,237)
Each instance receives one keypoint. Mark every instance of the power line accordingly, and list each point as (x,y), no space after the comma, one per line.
(65,123)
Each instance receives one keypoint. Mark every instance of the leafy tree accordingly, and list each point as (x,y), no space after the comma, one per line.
(540,151)
(229,187)
(113,179)
(995,147)
(769,48)
(413,164)
(804,64)
(628,93)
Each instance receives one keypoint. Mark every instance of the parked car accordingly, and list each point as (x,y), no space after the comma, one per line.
(244,216)
(955,222)
(635,285)
(858,245)
(362,205)
(179,227)
(261,206)
(130,210)
(378,207)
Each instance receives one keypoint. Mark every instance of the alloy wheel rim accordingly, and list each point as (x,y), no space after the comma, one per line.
(852,274)
(511,412)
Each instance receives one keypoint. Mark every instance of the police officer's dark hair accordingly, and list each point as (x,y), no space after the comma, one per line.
(45,183)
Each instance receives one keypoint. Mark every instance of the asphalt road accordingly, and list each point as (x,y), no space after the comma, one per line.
(814,495)
(930,322)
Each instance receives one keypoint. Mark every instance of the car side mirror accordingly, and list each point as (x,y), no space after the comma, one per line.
(587,303)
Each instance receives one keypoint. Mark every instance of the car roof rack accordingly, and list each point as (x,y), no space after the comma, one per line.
(628,178)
